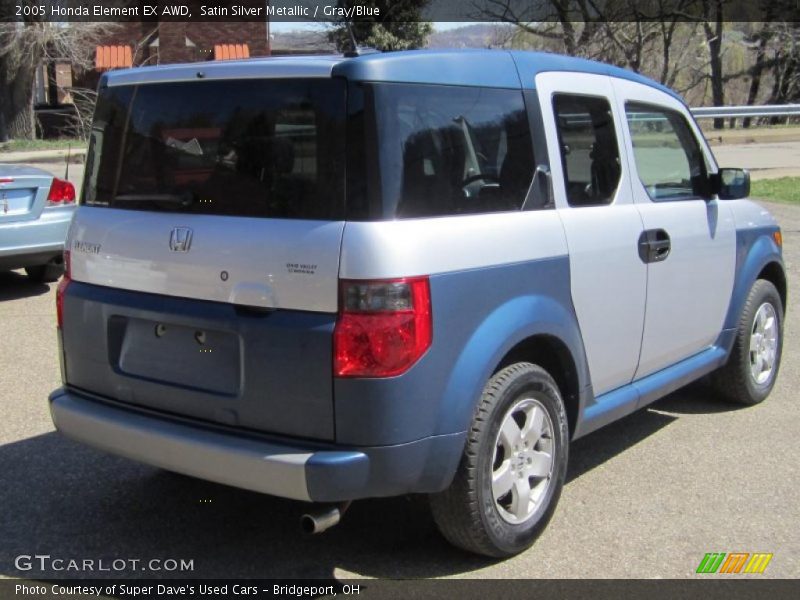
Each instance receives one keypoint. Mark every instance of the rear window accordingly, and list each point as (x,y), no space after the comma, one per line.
(254,148)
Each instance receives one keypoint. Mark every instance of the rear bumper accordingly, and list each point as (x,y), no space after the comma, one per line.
(31,257)
(290,469)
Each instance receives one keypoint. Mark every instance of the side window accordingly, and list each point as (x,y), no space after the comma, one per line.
(670,163)
(589,150)
(449,150)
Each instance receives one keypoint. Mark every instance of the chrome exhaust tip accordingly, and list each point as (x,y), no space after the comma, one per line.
(322,519)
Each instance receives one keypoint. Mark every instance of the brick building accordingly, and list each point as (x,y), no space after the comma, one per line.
(171,42)
(149,43)
(140,43)
(135,44)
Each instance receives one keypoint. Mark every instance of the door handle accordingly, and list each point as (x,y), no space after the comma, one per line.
(654,245)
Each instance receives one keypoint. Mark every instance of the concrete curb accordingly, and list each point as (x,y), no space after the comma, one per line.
(76,155)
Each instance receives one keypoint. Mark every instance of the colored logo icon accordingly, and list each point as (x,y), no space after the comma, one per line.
(734,562)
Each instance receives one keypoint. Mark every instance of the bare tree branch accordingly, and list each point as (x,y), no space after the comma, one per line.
(24,46)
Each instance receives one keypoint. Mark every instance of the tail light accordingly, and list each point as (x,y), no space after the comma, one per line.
(62,288)
(61,192)
(383,328)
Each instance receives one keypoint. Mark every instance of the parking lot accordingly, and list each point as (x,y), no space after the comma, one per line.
(646,497)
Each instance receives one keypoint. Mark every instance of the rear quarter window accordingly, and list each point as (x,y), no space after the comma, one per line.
(433,150)
(589,150)
(263,148)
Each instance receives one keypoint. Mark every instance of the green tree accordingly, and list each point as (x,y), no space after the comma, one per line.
(396,27)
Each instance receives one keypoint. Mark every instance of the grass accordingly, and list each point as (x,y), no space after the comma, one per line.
(707,126)
(781,189)
(32,145)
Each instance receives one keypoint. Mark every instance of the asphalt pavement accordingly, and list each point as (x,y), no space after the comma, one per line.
(648,496)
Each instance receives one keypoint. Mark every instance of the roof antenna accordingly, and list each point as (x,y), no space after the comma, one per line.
(66,168)
(353,43)
(355,49)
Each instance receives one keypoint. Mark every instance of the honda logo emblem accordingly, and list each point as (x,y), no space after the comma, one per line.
(180,240)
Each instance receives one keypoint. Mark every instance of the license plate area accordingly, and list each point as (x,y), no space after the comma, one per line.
(16,202)
(190,357)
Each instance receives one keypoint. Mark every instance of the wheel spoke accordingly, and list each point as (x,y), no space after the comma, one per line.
(538,490)
(540,467)
(755,369)
(769,327)
(534,422)
(755,340)
(520,498)
(760,321)
(502,480)
(510,434)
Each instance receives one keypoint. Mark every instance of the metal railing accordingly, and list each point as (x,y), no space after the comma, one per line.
(703,112)
(727,112)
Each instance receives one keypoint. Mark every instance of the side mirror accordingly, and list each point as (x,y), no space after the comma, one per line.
(731,184)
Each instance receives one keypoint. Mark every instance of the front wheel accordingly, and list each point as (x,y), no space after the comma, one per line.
(513,467)
(750,373)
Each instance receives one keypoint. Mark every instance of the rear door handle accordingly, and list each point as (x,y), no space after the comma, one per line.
(654,245)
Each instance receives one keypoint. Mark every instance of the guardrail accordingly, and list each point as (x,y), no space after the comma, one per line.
(765,110)
(707,112)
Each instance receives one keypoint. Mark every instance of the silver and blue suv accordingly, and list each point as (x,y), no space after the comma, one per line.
(336,278)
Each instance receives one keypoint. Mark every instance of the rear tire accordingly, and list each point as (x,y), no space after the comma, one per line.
(518,442)
(749,375)
(45,273)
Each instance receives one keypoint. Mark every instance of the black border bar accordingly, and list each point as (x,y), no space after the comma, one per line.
(467,11)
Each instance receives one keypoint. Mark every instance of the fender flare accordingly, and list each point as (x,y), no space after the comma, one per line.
(508,325)
(751,260)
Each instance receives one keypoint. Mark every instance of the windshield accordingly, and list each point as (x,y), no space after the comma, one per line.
(257,148)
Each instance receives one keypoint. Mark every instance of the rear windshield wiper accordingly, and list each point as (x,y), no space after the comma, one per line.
(184,199)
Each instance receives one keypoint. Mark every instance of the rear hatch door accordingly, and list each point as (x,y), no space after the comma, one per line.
(207,251)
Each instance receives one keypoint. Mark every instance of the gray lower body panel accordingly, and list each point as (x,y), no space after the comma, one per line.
(215,362)
(240,462)
(287,468)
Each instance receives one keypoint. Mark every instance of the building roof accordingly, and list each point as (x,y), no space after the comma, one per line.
(112,57)
(231,51)
(488,68)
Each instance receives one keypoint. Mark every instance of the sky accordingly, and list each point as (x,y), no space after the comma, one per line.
(284,26)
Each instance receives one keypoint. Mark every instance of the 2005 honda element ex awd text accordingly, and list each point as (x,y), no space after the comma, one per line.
(332,278)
